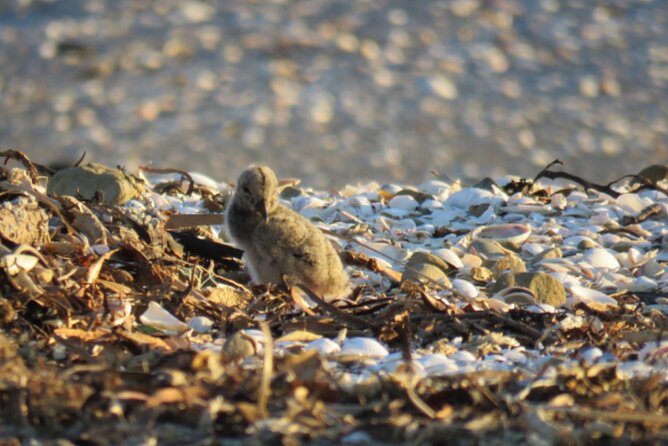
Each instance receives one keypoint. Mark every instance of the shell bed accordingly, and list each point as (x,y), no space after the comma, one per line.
(536,317)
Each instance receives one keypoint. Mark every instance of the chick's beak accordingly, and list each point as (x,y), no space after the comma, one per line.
(261,209)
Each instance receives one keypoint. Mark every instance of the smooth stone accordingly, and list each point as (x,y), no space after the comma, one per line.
(655,172)
(114,186)
(587,244)
(425,273)
(403,202)
(546,288)
(419,257)
(290,192)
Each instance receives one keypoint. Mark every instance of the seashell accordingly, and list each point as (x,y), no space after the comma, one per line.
(362,347)
(392,189)
(534,249)
(437,365)
(510,234)
(493,304)
(119,311)
(471,261)
(558,201)
(481,274)
(15,263)
(324,346)
(628,370)
(540,308)
(603,219)
(395,362)
(465,289)
(600,258)
(463,356)
(301,203)
(405,202)
(516,355)
(435,187)
(572,322)
(473,196)
(591,355)
(592,298)
(654,352)
(440,218)
(556,266)
(632,203)
(489,249)
(366,384)
(449,256)
(525,209)
(157,317)
(395,212)
(516,295)
(403,227)
(640,284)
(580,242)
(651,268)
(431,205)
(200,324)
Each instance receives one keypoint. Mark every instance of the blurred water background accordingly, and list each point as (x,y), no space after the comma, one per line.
(338,91)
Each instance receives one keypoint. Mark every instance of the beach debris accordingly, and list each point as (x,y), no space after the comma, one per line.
(560,312)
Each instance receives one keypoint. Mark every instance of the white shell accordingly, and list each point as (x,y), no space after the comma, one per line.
(157,317)
(632,203)
(600,258)
(591,355)
(512,234)
(592,298)
(405,202)
(364,347)
(465,289)
(437,365)
(323,345)
(472,196)
(200,324)
(558,201)
(449,256)
(15,263)
(463,356)
(435,188)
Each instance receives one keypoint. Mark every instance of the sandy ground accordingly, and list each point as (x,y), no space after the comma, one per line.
(337,91)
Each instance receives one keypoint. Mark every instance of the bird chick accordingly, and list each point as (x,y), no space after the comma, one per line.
(279,244)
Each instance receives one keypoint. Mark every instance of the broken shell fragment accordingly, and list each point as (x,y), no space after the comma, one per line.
(592,298)
(157,317)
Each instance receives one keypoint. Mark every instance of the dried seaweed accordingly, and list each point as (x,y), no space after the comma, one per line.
(79,363)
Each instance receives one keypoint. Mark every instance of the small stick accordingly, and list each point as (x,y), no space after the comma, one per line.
(267,370)
(346,318)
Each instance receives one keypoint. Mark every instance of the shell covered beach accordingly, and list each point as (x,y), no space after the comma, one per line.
(509,311)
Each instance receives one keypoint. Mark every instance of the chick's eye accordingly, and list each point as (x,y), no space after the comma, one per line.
(246,190)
